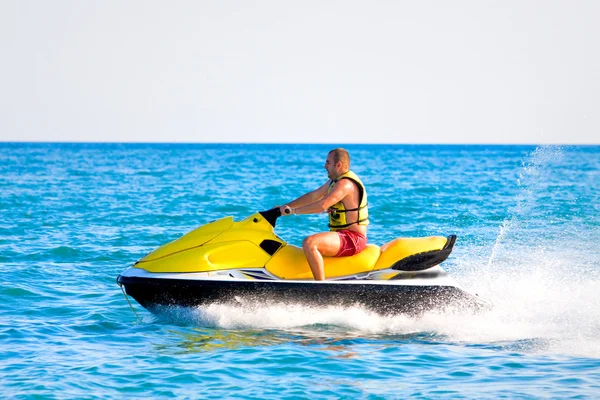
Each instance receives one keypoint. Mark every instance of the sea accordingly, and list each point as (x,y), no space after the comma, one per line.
(75,215)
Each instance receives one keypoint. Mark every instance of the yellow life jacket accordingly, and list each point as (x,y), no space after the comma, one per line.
(337,212)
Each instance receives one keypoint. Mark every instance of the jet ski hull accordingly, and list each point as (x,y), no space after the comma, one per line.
(387,298)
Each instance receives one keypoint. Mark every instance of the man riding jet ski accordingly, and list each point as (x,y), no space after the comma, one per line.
(345,198)
(246,262)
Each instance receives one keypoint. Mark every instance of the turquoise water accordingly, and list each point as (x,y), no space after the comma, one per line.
(73,216)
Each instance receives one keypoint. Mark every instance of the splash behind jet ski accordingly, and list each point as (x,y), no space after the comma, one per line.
(231,262)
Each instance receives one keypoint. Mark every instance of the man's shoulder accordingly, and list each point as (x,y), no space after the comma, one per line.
(347,183)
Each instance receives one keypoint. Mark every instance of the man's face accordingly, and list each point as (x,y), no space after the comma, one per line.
(331,168)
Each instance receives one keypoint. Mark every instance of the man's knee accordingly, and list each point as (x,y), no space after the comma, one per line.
(309,242)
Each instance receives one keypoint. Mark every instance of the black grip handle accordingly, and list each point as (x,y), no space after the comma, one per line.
(271,215)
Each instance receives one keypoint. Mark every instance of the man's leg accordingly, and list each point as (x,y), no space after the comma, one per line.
(316,247)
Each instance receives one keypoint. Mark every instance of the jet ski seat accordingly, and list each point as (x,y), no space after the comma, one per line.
(291,263)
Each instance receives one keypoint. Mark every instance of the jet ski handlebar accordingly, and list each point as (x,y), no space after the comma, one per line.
(272,215)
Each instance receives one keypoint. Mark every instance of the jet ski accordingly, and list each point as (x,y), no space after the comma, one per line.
(245,262)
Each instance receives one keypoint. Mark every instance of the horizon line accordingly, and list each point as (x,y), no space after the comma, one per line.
(295,143)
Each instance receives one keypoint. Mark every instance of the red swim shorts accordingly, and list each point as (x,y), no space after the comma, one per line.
(351,243)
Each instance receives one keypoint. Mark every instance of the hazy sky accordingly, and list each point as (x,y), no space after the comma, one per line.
(300,71)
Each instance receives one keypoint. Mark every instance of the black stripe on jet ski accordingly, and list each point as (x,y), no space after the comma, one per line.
(418,274)
(257,275)
(348,278)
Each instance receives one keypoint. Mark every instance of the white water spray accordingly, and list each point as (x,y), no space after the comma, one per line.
(535,174)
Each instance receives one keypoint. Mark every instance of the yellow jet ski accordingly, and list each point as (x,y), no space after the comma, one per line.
(243,262)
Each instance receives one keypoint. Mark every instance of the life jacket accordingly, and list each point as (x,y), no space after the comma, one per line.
(337,212)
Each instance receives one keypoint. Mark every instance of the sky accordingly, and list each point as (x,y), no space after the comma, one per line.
(480,71)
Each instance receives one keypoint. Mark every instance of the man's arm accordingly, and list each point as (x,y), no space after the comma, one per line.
(310,197)
(340,190)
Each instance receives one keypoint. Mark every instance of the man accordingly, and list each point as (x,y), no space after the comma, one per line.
(344,197)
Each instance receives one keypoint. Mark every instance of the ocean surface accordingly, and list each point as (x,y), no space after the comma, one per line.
(73,216)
